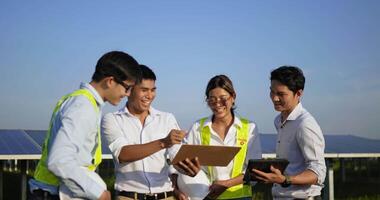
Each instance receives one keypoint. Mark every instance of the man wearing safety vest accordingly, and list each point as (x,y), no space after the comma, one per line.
(224,128)
(300,140)
(72,147)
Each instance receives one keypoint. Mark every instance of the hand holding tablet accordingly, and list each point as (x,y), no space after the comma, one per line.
(264,166)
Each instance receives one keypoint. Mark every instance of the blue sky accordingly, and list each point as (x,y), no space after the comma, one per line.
(48,48)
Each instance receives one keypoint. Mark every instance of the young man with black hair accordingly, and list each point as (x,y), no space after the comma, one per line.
(141,139)
(300,140)
(72,148)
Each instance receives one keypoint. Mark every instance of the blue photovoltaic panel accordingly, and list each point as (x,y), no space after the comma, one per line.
(37,135)
(351,144)
(16,142)
(268,143)
(105,149)
(333,144)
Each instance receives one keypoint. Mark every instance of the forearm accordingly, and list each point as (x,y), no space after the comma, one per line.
(307,177)
(173,178)
(131,153)
(233,181)
(77,178)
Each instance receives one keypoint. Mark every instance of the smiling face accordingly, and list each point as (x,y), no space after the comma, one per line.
(220,102)
(116,90)
(142,96)
(284,100)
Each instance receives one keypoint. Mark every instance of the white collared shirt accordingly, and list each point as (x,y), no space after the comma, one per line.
(253,150)
(148,175)
(300,140)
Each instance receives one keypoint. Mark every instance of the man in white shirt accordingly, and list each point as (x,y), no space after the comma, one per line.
(72,148)
(300,140)
(141,138)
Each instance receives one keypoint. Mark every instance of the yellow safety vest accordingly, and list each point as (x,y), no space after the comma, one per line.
(237,191)
(42,173)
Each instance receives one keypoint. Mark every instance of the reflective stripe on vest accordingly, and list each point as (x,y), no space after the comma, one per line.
(42,173)
(240,190)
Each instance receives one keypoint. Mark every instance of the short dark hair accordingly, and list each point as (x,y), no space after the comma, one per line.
(119,65)
(290,76)
(147,73)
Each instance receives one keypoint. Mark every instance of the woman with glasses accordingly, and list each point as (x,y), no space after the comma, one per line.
(224,128)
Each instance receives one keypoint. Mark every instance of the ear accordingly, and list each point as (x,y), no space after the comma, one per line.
(233,98)
(107,82)
(299,93)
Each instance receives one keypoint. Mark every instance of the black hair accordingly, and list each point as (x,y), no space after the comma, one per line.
(147,73)
(119,65)
(290,76)
(221,81)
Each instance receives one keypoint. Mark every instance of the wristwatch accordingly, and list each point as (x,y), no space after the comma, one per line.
(287,182)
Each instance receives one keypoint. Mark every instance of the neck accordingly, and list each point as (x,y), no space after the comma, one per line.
(99,88)
(226,120)
(285,114)
(141,115)
(222,125)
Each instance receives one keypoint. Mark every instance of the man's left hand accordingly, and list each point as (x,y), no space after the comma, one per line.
(275,176)
(188,167)
(217,188)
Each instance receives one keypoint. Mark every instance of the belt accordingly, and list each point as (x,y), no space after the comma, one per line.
(311,198)
(141,196)
(44,194)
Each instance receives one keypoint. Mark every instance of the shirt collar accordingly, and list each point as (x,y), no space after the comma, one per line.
(152,111)
(297,111)
(93,91)
(237,122)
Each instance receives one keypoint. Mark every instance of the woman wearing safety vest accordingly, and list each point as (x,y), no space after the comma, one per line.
(224,128)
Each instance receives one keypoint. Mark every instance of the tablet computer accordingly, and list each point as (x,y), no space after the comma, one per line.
(207,155)
(264,165)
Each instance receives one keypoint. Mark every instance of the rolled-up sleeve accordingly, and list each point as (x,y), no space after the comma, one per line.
(312,144)
(113,134)
(254,146)
(172,151)
(72,139)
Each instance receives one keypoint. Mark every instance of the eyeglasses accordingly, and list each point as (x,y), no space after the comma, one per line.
(126,86)
(222,99)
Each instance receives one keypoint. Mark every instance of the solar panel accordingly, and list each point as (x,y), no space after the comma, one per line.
(29,142)
(16,142)
(37,135)
(105,149)
(351,144)
(333,144)
(268,143)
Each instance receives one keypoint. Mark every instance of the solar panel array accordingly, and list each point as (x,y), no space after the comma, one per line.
(29,142)
(334,144)
(17,142)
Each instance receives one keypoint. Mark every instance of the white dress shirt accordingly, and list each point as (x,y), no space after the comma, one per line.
(148,175)
(74,138)
(253,148)
(300,140)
